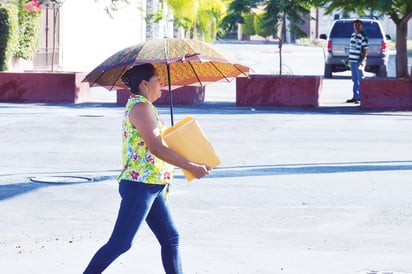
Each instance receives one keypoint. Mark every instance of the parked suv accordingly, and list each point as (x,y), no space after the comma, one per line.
(337,49)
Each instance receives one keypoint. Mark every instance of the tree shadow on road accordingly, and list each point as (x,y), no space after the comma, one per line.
(12,190)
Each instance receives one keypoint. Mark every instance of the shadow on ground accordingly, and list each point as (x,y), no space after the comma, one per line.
(14,189)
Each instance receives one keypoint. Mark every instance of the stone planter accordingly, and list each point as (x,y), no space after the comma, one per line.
(275,90)
(393,94)
(181,96)
(43,87)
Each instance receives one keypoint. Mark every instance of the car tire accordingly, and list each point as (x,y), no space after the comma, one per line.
(328,71)
(382,71)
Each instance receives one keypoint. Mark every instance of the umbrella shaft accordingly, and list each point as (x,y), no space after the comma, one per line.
(170,94)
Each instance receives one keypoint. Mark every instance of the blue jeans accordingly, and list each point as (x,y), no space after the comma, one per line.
(140,202)
(357,75)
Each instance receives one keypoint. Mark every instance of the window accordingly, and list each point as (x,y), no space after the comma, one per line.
(344,29)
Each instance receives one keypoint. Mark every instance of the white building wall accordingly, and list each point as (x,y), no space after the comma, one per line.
(89,35)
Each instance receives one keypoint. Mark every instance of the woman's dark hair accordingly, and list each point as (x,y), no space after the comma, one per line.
(134,76)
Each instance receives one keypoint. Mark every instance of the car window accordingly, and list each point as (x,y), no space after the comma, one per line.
(341,30)
(372,30)
(345,29)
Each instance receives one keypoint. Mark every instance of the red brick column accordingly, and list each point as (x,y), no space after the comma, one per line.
(395,94)
(275,90)
(43,87)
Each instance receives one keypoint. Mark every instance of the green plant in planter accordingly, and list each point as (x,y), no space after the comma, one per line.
(8,33)
(29,32)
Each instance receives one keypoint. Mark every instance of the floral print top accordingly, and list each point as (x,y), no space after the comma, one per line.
(139,164)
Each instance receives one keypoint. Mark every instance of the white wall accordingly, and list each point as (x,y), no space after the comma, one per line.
(89,35)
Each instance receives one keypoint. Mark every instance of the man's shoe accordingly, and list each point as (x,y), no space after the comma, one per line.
(356,102)
(351,101)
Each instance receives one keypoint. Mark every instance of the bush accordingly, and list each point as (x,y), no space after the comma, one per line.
(261,27)
(8,34)
(248,27)
(29,32)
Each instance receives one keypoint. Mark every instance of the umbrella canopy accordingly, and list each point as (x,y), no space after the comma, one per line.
(180,62)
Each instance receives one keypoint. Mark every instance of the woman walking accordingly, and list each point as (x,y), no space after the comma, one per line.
(145,177)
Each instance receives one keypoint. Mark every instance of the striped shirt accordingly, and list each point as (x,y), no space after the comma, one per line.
(358,43)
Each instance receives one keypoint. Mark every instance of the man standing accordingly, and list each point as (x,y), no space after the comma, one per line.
(357,58)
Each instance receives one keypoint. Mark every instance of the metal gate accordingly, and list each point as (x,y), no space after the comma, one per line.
(49,56)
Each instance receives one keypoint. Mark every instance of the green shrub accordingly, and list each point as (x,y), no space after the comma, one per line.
(261,27)
(248,27)
(29,28)
(8,34)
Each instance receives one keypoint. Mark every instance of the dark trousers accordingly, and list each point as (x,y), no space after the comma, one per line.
(140,202)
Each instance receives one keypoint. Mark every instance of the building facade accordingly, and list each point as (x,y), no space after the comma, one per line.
(79,34)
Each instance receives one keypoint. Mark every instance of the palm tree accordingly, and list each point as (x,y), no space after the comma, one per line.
(193,18)
(197,18)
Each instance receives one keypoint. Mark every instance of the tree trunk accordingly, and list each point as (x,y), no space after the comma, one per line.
(282,27)
(280,56)
(401,49)
(152,28)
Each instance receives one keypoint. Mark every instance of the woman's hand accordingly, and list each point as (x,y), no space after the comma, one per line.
(199,171)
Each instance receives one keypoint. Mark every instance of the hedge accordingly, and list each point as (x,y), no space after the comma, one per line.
(8,34)
(260,27)
(248,27)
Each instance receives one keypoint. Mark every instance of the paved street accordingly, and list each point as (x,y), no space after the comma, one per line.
(314,191)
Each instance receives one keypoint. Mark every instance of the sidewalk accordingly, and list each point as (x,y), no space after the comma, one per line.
(299,191)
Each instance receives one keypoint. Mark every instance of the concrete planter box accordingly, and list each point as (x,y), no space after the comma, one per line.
(43,87)
(181,96)
(275,90)
(394,94)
